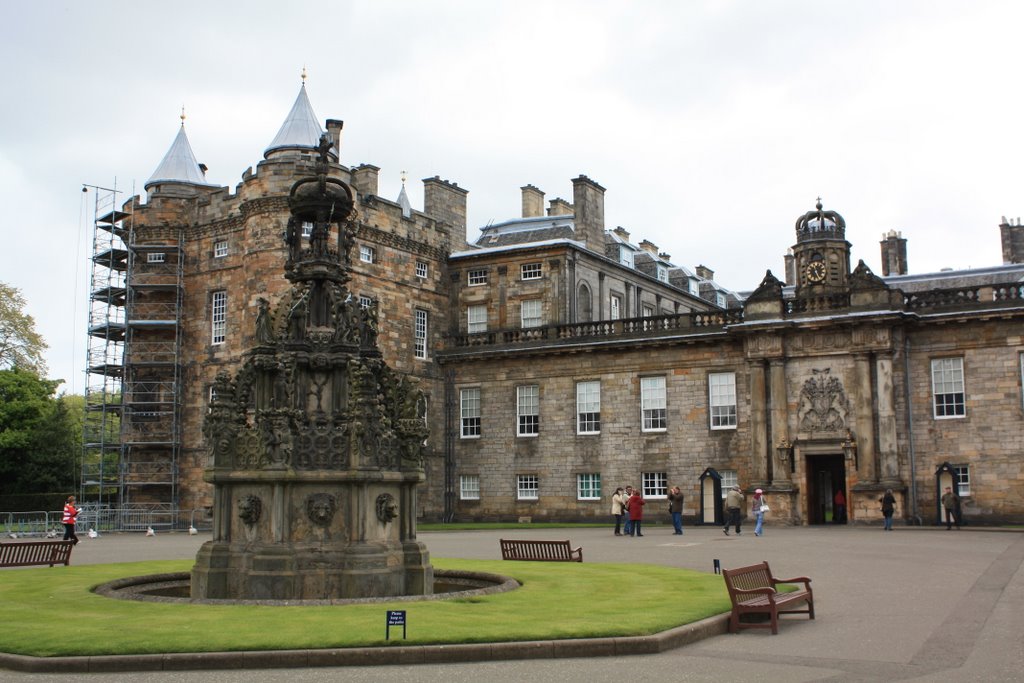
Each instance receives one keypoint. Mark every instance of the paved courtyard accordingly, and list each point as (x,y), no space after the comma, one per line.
(916,604)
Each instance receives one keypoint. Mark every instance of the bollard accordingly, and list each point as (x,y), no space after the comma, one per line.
(718,566)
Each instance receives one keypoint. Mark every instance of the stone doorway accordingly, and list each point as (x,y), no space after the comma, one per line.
(826,474)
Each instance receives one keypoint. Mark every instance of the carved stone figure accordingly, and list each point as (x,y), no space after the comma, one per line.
(387,508)
(249,509)
(321,508)
(823,404)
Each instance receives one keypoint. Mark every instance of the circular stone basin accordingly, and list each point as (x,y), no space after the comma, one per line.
(175,588)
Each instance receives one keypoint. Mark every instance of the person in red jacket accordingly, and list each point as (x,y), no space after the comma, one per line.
(69,520)
(636,512)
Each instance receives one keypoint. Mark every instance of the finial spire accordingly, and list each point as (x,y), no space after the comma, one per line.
(404,176)
(182,117)
(303,75)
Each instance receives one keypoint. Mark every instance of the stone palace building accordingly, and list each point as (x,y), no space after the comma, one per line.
(561,359)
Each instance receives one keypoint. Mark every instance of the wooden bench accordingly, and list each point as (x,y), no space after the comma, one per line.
(540,551)
(753,591)
(33,553)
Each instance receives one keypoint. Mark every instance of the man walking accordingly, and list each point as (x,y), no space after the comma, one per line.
(733,510)
(951,504)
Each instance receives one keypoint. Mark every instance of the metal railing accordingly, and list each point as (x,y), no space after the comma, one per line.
(43,523)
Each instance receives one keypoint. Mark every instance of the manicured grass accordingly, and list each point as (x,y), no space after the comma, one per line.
(48,612)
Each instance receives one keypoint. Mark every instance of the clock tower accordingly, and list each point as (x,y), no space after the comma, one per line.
(821,254)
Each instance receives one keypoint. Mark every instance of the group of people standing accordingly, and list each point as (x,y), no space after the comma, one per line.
(628,510)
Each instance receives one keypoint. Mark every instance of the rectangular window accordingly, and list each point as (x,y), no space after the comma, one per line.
(307,228)
(648,311)
(720,299)
(218,316)
(367,254)
(528,410)
(469,400)
(626,256)
(655,484)
(963,480)
(530,313)
(420,341)
(729,479)
(476,319)
(469,487)
(694,287)
(652,403)
(365,302)
(588,486)
(220,249)
(477,277)
(588,407)
(662,273)
(530,271)
(156,258)
(527,487)
(948,387)
(422,270)
(615,307)
(722,399)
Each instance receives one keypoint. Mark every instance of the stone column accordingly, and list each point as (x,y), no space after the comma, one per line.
(602,296)
(887,452)
(864,422)
(758,425)
(779,421)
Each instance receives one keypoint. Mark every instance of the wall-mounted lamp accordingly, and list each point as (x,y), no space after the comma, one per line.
(850,448)
(784,450)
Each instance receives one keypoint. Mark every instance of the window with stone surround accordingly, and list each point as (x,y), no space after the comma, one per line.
(469,402)
(588,407)
(365,302)
(530,312)
(652,404)
(420,340)
(367,254)
(528,410)
(625,256)
(963,480)
(477,276)
(422,270)
(948,388)
(655,484)
(469,487)
(662,273)
(220,249)
(476,319)
(722,399)
(729,479)
(615,307)
(588,486)
(218,316)
(527,486)
(156,258)
(307,229)
(531,271)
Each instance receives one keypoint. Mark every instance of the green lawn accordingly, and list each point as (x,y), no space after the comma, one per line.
(49,612)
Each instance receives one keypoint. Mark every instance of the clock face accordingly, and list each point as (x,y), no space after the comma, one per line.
(815,271)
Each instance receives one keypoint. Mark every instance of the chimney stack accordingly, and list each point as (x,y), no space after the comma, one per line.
(445,201)
(533,202)
(364,179)
(334,127)
(559,207)
(705,273)
(894,254)
(588,200)
(1012,236)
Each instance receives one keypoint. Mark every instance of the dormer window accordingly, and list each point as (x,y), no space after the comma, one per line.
(694,287)
(663,273)
(626,256)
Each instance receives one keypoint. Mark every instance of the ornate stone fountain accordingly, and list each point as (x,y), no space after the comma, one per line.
(317,444)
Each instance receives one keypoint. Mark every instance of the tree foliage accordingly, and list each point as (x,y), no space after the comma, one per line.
(40,435)
(21,346)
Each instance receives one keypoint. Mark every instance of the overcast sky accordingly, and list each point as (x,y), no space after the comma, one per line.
(713,125)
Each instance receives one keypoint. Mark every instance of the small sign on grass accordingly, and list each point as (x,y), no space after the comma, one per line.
(396,617)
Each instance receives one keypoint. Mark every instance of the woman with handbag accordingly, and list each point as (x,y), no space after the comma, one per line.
(758,507)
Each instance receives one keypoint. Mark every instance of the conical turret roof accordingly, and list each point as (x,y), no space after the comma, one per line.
(179,164)
(300,129)
(403,201)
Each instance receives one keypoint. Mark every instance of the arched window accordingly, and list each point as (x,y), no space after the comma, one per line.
(584,304)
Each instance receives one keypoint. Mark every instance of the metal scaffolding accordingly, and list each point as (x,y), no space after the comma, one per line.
(132,426)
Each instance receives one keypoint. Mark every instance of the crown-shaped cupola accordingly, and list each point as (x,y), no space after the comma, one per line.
(821,252)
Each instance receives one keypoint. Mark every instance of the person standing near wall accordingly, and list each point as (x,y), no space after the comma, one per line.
(839,511)
(618,507)
(69,520)
(733,510)
(628,528)
(888,508)
(675,508)
(636,513)
(951,504)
